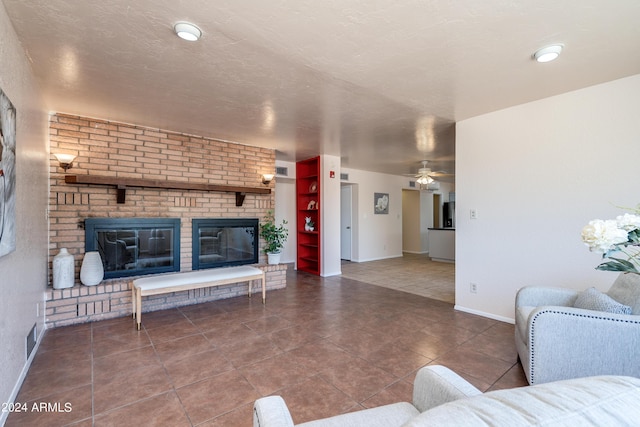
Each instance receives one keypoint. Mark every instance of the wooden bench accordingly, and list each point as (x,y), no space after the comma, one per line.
(192,280)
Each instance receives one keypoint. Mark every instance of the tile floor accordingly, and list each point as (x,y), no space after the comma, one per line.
(327,345)
(407,274)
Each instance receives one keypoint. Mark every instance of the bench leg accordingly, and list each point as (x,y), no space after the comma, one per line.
(250,286)
(138,308)
(133,301)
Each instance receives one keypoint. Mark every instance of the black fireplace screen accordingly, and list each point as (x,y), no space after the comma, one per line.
(134,246)
(220,242)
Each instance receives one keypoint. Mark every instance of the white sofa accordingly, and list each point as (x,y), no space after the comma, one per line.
(443,398)
(562,333)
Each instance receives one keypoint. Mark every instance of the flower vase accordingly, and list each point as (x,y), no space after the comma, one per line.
(92,271)
(63,270)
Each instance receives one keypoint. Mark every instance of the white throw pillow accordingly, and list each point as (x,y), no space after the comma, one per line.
(593,299)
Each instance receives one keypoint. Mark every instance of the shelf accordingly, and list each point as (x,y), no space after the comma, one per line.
(121,185)
(308,192)
(308,232)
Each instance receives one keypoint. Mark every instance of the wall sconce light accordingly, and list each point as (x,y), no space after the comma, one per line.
(267,178)
(65,160)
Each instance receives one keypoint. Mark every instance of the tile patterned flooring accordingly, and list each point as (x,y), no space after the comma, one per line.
(407,274)
(327,345)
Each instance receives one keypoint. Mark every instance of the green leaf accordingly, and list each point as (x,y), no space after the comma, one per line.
(274,235)
(623,262)
(634,237)
(617,264)
(613,250)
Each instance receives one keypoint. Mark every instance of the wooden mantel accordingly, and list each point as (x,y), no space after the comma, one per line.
(121,185)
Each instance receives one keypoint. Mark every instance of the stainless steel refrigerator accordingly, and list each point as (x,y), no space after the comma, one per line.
(449,214)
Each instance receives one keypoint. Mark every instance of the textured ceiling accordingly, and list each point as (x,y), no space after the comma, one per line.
(379,83)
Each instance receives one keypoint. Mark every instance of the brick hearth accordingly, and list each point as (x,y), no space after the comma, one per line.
(112,298)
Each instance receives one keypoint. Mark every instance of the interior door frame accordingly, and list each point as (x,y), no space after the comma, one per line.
(436,209)
(346,211)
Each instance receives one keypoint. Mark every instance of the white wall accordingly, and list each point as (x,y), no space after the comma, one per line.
(426,219)
(417,217)
(285,200)
(330,222)
(537,173)
(375,236)
(23,273)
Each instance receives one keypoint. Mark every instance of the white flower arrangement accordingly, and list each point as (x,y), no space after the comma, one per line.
(615,239)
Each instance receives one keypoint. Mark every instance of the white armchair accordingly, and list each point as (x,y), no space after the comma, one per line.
(557,341)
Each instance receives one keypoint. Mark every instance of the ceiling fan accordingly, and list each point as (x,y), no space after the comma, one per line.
(425,175)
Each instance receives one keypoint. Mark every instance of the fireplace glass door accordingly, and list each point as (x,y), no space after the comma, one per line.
(224,242)
(135,246)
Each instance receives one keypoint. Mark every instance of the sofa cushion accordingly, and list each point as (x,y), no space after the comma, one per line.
(595,401)
(626,290)
(394,415)
(593,299)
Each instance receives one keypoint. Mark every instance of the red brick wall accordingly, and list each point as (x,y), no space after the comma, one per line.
(121,150)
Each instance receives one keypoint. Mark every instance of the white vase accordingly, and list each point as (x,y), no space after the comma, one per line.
(92,271)
(273,258)
(63,270)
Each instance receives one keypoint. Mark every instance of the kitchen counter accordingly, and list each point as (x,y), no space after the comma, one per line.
(442,244)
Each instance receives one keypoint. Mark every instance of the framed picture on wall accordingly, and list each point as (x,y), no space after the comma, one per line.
(380,203)
(7,175)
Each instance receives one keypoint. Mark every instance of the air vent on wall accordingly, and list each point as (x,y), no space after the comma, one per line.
(344,177)
(433,186)
(282,171)
(412,184)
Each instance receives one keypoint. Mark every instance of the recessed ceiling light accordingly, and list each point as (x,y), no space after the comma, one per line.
(548,53)
(187,31)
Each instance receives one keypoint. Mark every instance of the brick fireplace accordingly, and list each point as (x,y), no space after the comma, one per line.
(110,149)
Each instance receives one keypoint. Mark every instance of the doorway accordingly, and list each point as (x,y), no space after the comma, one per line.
(436,210)
(346,234)
(411,222)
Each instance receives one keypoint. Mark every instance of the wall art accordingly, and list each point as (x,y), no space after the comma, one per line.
(7,175)
(380,203)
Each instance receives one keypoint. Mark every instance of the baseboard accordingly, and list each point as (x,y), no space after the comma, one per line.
(21,378)
(338,273)
(376,259)
(484,314)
